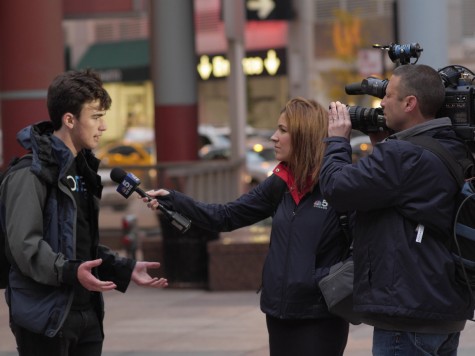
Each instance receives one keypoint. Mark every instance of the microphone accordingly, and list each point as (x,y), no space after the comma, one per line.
(129,183)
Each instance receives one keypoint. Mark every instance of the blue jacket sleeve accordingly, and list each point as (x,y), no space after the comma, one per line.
(373,182)
(248,209)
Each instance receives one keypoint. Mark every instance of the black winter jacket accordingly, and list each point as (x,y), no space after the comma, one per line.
(39,214)
(401,281)
(305,240)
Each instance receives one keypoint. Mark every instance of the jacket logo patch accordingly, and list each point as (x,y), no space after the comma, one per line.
(321,204)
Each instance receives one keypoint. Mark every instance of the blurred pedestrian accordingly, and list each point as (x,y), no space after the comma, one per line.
(305,240)
(49,212)
(404,197)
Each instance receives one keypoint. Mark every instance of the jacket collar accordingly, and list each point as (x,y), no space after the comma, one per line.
(421,128)
(283,172)
(51,158)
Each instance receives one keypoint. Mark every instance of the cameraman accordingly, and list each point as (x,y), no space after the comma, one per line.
(404,198)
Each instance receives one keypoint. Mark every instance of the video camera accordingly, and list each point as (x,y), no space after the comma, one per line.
(459,104)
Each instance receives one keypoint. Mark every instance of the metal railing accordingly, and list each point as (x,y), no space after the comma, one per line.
(207,181)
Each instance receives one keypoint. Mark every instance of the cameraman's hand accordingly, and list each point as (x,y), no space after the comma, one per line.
(339,121)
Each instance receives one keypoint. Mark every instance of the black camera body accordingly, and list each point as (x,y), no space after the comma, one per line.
(459,103)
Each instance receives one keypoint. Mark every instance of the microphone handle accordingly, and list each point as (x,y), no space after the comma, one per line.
(143,194)
(176,219)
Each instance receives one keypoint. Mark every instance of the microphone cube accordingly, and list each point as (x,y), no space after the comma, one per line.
(128,185)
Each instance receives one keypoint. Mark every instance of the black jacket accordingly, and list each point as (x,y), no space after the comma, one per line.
(305,240)
(401,281)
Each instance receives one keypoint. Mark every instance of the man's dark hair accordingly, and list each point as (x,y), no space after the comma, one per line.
(424,83)
(70,90)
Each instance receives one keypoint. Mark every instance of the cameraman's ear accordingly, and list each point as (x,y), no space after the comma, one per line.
(411,103)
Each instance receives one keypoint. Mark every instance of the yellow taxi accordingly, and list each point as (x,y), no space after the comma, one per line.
(130,156)
(124,153)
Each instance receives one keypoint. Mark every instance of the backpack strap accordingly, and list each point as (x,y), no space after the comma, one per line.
(458,169)
(21,162)
(344,222)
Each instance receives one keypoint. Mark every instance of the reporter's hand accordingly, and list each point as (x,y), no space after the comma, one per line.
(141,277)
(339,124)
(89,281)
(153,204)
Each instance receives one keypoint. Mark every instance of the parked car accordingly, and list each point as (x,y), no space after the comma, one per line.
(260,163)
(210,136)
(260,159)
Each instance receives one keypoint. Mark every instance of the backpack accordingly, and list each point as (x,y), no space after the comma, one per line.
(15,164)
(463,244)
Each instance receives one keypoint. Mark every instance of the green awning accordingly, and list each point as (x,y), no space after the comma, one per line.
(129,60)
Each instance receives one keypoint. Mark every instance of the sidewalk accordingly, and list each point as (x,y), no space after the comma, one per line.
(180,322)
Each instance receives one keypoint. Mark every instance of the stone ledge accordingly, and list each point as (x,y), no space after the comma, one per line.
(236,259)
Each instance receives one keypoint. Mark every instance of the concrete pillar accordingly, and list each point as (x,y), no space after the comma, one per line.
(174,79)
(235,20)
(301,49)
(425,22)
(31,55)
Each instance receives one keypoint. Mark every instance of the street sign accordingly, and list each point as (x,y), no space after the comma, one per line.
(262,10)
(370,62)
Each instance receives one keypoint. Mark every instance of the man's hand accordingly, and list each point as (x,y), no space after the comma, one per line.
(89,281)
(141,277)
(340,123)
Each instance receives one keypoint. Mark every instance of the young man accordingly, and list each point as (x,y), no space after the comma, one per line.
(49,211)
(404,200)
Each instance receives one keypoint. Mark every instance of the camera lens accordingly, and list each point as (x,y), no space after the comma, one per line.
(367,119)
(375,87)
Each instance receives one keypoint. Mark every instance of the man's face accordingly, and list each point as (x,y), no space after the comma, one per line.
(89,127)
(394,106)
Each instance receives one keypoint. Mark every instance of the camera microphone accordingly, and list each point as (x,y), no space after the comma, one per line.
(129,183)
